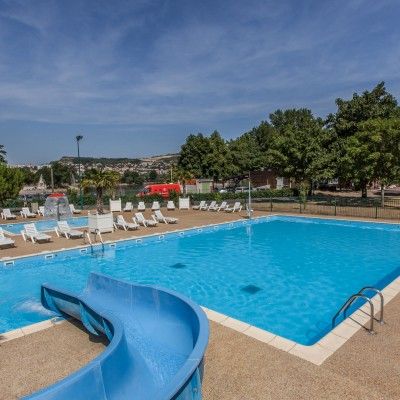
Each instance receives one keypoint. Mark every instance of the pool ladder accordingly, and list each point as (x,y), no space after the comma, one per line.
(361,295)
(96,234)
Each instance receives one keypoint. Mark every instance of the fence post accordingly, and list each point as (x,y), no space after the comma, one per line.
(270,203)
(335,206)
(376,212)
(300,205)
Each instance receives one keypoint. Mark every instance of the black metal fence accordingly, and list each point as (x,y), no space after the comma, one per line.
(333,206)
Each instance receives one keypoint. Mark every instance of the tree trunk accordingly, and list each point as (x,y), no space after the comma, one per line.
(364,191)
(382,195)
(99,200)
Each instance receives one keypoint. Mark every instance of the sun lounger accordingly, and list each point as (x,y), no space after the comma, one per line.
(74,210)
(170,205)
(159,217)
(40,211)
(7,214)
(141,220)
(63,229)
(5,241)
(223,206)
(30,232)
(213,206)
(201,206)
(128,206)
(122,224)
(141,206)
(236,207)
(155,206)
(26,213)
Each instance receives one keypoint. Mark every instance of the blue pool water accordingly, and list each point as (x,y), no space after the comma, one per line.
(287,275)
(44,225)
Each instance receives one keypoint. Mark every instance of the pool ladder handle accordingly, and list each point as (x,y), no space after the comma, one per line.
(95,234)
(361,295)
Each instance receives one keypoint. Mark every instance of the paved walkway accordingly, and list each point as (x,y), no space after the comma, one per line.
(237,366)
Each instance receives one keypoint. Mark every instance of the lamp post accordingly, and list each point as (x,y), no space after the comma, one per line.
(78,139)
(249,205)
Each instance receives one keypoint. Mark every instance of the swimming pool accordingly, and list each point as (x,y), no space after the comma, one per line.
(44,224)
(288,275)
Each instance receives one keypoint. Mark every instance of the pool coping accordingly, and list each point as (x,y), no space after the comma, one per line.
(316,353)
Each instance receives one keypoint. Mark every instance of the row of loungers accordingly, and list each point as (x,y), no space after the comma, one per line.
(213,206)
(142,206)
(31,233)
(27,213)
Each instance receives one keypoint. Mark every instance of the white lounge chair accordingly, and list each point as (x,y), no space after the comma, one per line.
(213,206)
(122,224)
(159,217)
(128,206)
(5,241)
(155,206)
(141,206)
(63,229)
(74,210)
(236,207)
(30,232)
(7,214)
(202,205)
(170,205)
(223,206)
(141,220)
(26,213)
(40,211)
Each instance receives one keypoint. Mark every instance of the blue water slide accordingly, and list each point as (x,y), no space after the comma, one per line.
(157,342)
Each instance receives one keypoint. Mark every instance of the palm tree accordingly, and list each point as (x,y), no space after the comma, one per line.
(182,175)
(101,180)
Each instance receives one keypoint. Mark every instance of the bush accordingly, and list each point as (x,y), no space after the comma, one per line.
(286,192)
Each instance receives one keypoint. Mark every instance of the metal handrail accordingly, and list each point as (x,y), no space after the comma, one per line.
(347,304)
(378,292)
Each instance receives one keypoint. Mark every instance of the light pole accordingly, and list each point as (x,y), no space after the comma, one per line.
(249,206)
(78,139)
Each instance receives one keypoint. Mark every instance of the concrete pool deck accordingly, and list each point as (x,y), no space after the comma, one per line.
(236,344)
(237,366)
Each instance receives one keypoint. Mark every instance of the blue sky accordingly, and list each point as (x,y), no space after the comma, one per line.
(136,77)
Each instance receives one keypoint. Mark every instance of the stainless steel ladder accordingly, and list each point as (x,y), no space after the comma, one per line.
(361,295)
(96,234)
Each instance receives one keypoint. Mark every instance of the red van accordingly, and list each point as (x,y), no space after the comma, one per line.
(162,189)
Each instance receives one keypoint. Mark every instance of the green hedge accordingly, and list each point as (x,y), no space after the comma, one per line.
(286,192)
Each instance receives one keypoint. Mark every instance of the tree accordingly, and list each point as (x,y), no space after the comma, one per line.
(11,182)
(298,147)
(373,152)
(376,104)
(62,174)
(100,180)
(3,154)
(153,175)
(218,162)
(132,178)
(192,157)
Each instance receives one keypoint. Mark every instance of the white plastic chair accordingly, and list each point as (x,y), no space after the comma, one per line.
(128,206)
(122,224)
(63,229)
(74,210)
(159,217)
(141,220)
(141,206)
(26,213)
(155,206)
(7,214)
(170,205)
(30,232)
(5,241)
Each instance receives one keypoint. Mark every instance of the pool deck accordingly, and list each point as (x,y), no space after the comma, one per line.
(238,366)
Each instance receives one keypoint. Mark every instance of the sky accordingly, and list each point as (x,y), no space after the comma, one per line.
(136,77)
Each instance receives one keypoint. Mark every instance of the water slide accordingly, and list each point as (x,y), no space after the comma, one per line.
(156,349)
